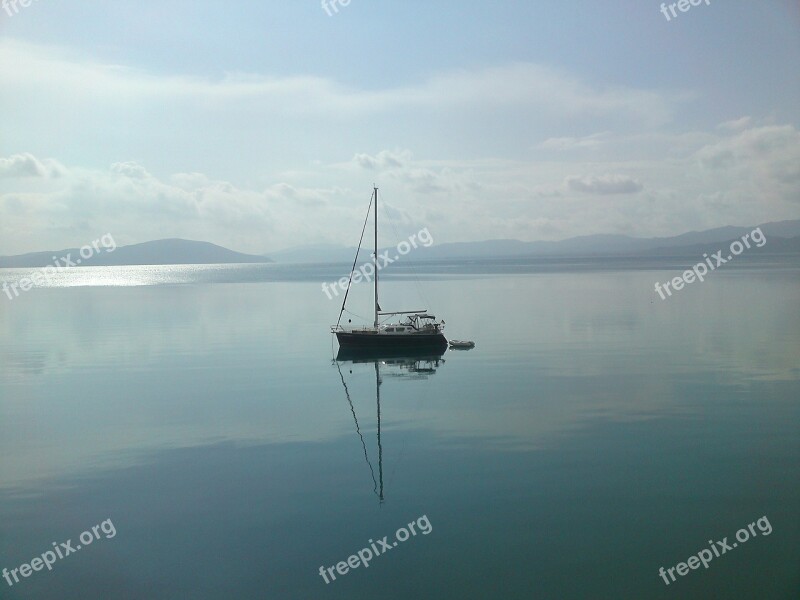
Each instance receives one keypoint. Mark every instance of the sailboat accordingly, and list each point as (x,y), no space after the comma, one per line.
(412,329)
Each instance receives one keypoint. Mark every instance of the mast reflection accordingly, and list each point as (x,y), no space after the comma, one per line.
(401,365)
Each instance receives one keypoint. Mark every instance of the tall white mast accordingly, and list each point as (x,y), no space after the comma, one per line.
(375,259)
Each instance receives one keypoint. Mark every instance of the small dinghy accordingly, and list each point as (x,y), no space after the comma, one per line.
(461,344)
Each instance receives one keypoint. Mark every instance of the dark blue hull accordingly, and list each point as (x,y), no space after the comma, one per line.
(372,342)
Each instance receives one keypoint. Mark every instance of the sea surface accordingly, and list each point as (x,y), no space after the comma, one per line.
(595,434)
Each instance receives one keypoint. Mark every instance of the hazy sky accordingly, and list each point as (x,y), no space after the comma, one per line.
(263,125)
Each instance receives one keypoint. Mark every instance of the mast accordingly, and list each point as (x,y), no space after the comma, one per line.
(375,259)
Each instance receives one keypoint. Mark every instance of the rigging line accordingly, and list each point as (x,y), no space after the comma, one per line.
(349,312)
(358,430)
(355,260)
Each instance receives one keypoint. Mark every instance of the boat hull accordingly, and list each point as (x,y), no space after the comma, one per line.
(393,343)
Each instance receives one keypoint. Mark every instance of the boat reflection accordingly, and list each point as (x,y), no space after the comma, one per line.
(401,366)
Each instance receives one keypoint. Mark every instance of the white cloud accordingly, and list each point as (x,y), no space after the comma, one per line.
(736,124)
(383,160)
(522,84)
(570,143)
(604,184)
(114,110)
(762,160)
(257,162)
(27,165)
(130,169)
(759,144)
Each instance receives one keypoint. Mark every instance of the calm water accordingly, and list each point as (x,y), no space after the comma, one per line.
(595,434)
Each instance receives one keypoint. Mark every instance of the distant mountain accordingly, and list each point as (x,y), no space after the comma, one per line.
(158,252)
(773,245)
(316,253)
(587,245)
(782,237)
